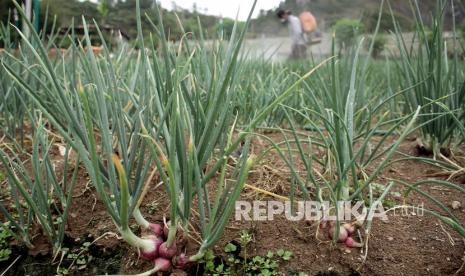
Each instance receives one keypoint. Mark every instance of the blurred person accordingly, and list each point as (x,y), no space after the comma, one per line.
(298,37)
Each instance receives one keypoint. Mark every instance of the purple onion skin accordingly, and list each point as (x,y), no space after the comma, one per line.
(343,234)
(157,229)
(167,252)
(351,243)
(181,261)
(162,265)
(151,255)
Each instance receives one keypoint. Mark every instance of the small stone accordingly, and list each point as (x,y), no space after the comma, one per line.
(455,204)
(347,251)
(414,238)
(390,238)
(330,268)
(448,259)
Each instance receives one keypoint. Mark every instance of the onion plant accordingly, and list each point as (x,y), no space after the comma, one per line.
(346,120)
(192,126)
(260,83)
(342,103)
(431,64)
(171,114)
(82,115)
(38,193)
(12,105)
(348,152)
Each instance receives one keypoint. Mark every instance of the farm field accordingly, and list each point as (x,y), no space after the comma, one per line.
(140,159)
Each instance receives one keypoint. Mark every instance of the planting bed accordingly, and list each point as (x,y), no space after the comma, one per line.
(407,244)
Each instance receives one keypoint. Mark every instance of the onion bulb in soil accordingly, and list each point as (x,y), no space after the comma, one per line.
(324,224)
(349,227)
(162,265)
(153,252)
(343,234)
(181,261)
(157,229)
(349,242)
(167,252)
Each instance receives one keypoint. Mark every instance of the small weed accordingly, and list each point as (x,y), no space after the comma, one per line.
(152,207)
(237,262)
(79,259)
(5,250)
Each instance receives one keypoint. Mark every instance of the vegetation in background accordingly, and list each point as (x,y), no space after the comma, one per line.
(462,28)
(347,32)
(434,70)
(328,12)
(119,15)
(379,45)
(370,19)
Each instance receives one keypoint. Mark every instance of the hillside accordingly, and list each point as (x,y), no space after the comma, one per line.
(120,15)
(328,11)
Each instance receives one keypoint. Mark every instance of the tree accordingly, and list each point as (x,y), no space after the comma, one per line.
(194,8)
(103,8)
(346,31)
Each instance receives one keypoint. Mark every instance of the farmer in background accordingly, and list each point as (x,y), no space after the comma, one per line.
(299,41)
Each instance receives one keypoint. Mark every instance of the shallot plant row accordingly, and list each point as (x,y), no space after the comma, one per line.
(167,116)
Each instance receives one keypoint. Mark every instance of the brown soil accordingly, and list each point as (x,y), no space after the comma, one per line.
(408,244)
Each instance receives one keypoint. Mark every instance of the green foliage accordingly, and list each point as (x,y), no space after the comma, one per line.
(45,196)
(237,262)
(78,259)
(332,10)
(103,8)
(119,15)
(347,31)
(5,250)
(462,28)
(379,45)
(437,82)
(230,247)
(386,24)
(225,27)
